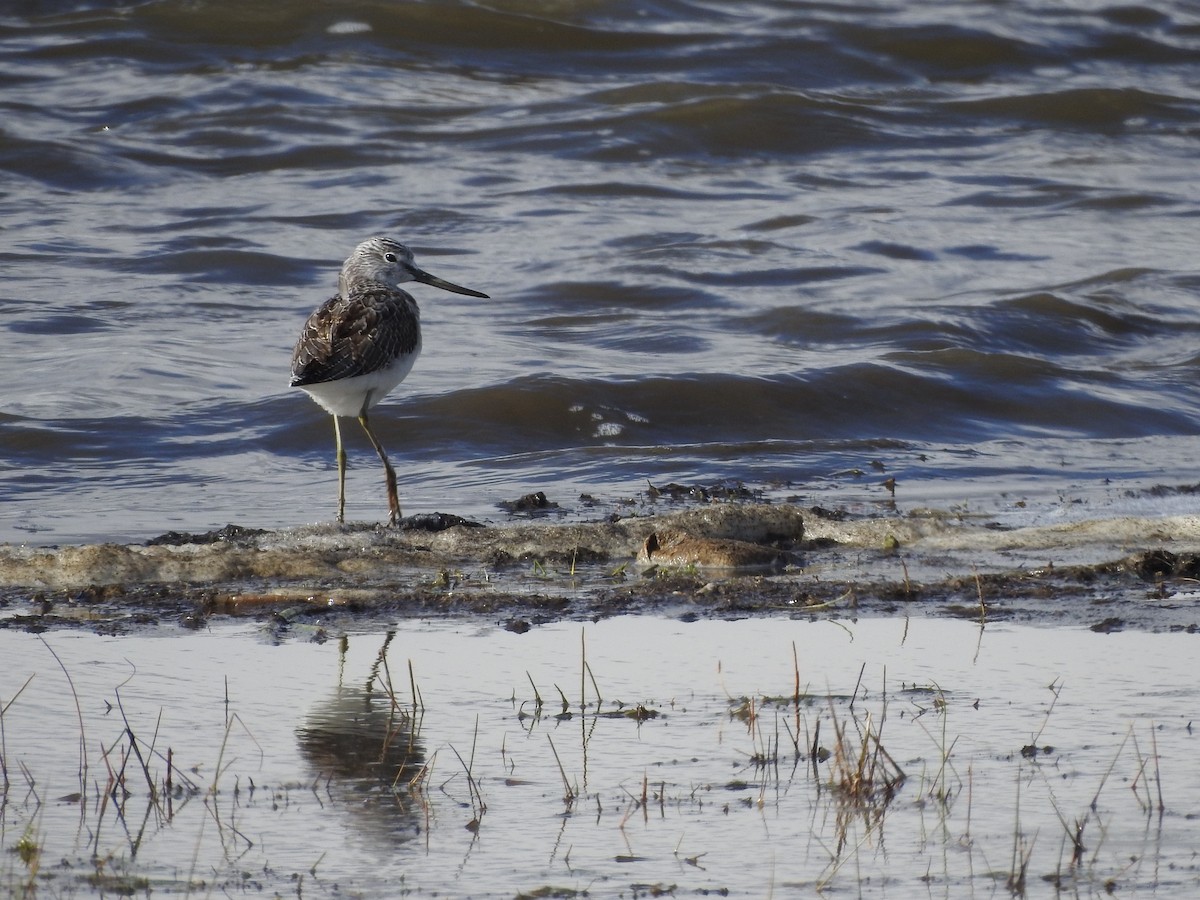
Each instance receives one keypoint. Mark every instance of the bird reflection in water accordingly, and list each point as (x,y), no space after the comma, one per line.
(365,749)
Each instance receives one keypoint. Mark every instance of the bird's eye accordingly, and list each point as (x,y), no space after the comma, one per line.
(390,257)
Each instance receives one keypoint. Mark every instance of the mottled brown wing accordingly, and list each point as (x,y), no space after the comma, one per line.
(355,335)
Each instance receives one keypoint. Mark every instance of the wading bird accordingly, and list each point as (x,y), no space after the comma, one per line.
(357,346)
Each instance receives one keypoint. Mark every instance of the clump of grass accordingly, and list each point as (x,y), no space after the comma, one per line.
(404,722)
(862,772)
(29,851)
(862,777)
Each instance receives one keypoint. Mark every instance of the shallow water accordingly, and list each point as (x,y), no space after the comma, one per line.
(773,242)
(276,747)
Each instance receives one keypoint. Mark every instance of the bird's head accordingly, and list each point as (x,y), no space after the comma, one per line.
(389,262)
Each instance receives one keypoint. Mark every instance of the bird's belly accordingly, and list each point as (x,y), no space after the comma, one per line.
(350,396)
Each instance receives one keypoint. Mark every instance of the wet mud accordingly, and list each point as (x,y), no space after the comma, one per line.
(720,559)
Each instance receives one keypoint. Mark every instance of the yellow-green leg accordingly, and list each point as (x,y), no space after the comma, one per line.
(392,494)
(341,464)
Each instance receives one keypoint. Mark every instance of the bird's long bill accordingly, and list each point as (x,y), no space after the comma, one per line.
(425,278)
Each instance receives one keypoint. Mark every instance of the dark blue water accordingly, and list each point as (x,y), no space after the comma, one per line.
(803,246)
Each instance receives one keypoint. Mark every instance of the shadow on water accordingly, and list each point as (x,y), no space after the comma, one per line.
(366,753)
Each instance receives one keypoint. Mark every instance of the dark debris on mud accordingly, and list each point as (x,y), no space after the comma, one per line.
(1134,593)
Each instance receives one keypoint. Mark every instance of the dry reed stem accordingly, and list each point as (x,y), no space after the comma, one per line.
(1021,852)
(478,805)
(418,701)
(1162,808)
(1055,687)
(566,705)
(537,697)
(569,794)
(595,687)
(83,762)
(4,782)
(133,744)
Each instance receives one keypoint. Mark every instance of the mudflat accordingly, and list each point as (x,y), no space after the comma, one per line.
(715,560)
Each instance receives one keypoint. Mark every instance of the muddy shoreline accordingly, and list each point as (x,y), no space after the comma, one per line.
(718,560)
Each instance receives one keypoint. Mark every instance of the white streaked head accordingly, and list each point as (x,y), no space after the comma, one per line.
(384,261)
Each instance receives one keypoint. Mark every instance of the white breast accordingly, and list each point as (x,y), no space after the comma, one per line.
(351,396)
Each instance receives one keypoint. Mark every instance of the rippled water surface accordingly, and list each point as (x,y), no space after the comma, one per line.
(970,761)
(800,245)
